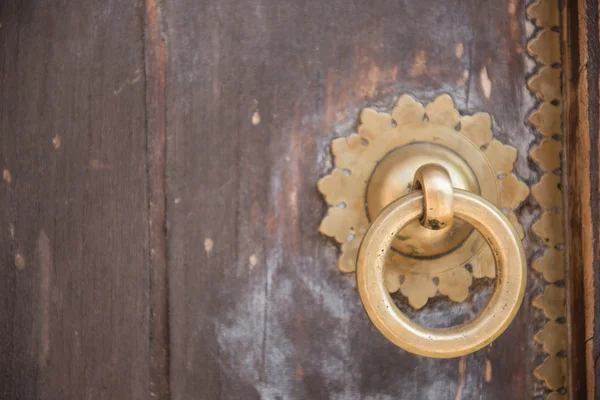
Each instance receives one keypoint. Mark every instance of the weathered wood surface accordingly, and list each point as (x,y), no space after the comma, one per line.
(74,286)
(582,172)
(162,160)
(255,92)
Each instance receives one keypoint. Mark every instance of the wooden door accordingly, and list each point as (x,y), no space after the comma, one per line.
(160,211)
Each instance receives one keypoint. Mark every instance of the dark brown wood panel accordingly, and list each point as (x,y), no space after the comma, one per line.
(74,284)
(582,172)
(159,163)
(255,92)
(154,51)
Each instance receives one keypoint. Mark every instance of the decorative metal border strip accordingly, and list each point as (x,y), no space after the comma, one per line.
(544,46)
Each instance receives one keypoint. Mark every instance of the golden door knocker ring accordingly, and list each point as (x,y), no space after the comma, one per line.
(437,203)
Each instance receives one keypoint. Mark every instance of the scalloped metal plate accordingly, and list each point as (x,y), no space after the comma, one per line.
(355,158)
(547,119)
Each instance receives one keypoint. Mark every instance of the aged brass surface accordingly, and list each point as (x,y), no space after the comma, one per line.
(455,341)
(435,183)
(393,178)
(546,83)
(377,166)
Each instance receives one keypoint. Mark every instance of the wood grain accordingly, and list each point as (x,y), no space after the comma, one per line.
(160,211)
(255,93)
(154,52)
(582,67)
(73,210)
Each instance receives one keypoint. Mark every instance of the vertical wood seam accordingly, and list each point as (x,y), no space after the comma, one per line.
(154,56)
(572,57)
(593,46)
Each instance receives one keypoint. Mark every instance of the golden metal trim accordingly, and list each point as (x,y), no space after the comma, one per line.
(481,165)
(455,341)
(438,205)
(546,84)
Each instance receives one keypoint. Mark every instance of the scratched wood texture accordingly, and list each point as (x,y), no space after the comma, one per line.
(74,282)
(159,204)
(582,143)
(255,92)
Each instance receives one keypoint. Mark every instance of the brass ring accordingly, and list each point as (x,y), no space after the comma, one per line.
(435,182)
(457,340)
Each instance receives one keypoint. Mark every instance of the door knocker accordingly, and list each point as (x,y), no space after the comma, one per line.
(422,202)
